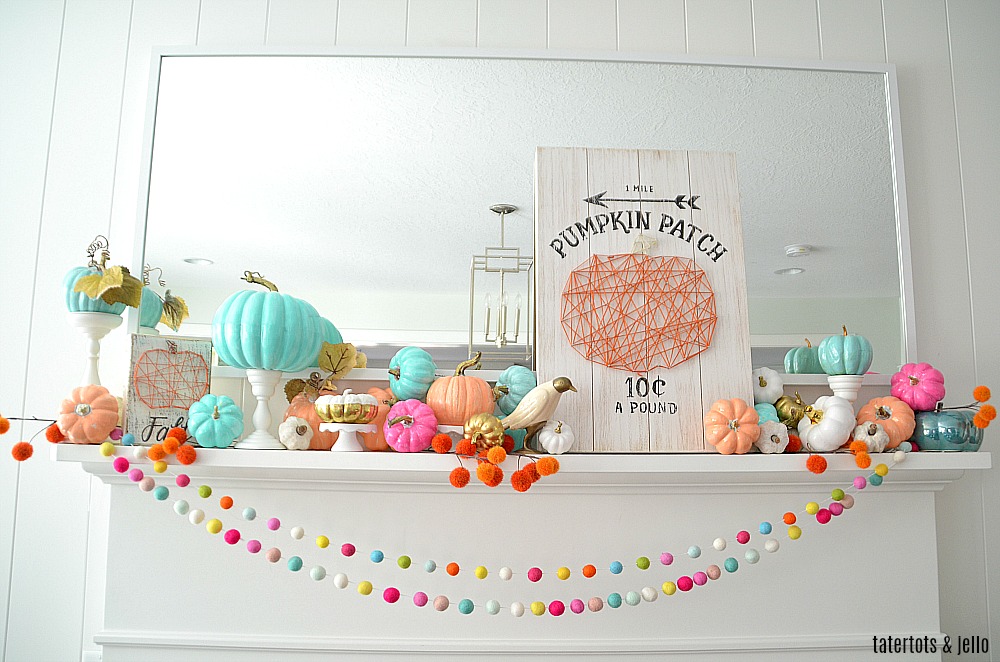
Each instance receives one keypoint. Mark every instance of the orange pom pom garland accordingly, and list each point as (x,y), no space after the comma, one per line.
(4,425)
(816,464)
(981,393)
(180,434)
(54,435)
(22,451)
(441,443)
(459,477)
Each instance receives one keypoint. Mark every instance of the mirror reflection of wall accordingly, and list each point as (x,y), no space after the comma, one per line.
(363,184)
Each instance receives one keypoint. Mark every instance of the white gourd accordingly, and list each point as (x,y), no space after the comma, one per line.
(874,436)
(773,437)
(767,386)
(556,437)
(295,433)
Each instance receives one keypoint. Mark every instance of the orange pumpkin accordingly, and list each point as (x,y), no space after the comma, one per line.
(895,416)
(457,399)
(89,415)
(375,441)
(304,406)
(731,426)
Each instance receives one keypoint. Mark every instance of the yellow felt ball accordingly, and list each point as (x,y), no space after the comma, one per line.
(481,572)
(159,466)
(881,469)
(812,507)
(669,588)
(794,532)
(213,526)
(322,542)
(107,449)
(537,608)
(365,588)
(562,573)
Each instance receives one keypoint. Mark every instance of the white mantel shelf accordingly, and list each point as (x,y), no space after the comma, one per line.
(579,473)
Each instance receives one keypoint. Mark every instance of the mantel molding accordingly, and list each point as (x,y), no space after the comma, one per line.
(579,473)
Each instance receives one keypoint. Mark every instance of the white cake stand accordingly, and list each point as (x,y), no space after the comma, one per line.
(348,439)
(94,326)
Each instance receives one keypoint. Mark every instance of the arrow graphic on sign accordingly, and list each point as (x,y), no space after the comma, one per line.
(680,200)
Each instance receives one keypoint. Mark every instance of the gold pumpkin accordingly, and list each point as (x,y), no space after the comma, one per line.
(484,431)
(790,410)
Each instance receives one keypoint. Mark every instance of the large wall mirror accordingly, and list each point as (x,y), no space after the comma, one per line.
(363,183)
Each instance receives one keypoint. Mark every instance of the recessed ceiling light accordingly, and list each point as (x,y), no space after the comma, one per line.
(200,261)
(791,271)
(798,250)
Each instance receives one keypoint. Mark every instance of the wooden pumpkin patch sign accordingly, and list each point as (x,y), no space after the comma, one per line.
(641,292)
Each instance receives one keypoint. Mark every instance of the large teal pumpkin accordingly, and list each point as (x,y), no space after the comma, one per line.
(512,385)
(78,302)
(266,331)
(803,360)
(215,421)
(411,373)
(947,430)
(327,333)
(150,309)
(845,354)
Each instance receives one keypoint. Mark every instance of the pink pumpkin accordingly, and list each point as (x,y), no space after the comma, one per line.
(919,385)
(409,426)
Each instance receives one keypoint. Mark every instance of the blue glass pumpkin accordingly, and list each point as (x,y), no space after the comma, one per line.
(512,385)
(411,373)
(947,430)
(78,302)
(150,309)
(846,354)
(266,331)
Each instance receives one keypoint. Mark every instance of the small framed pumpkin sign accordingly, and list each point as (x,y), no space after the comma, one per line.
(167,375)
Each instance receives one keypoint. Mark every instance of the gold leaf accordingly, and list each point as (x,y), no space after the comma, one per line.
(175,311)
(337,359)
(95,285)
(293,387)
(129,292)
(361,361)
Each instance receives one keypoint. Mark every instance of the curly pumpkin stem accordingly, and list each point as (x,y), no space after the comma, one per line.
(215,412)
(406,420)
(254,278)
(100,243)
(473,363)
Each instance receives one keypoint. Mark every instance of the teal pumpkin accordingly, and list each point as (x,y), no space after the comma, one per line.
(518,437)
(327,333)
(78,302)
(215,421)
(266,331)
(766,412)
(411,373)
(845,354)
(512,385)
(803,360)
(150,309)
(946,430)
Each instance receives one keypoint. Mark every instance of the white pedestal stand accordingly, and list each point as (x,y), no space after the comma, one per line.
(846,386)
(262,385)
(456,432)
(348,439)
(94,326)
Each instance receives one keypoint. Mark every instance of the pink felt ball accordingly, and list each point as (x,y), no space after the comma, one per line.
(441,603)
(347,549)
(274,523)
(183,480)
(135,475)
(253,546)
(390,595)
(666,558)
(847,502)
(823,516)
(535,574)
(577,606)
(147,484)
(273,555)
(232,536)
(860,482)
(116,434)
(595,604)
(420,598)
(557,608)
(685,583)
(700,578)
(120,464)
(836,509)
(713,572)
(743,537)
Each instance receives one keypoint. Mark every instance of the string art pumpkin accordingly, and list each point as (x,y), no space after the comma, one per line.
(89,415)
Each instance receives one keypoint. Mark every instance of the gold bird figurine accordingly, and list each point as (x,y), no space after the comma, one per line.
(537,406)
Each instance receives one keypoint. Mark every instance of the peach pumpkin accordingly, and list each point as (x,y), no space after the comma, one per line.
(731,426)
(375,441)
(304,406)
(458,398)
(89,415)
(895,416)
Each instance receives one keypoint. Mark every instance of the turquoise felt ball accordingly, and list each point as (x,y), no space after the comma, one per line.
(377,556)
(295,564)
(731,565)
(466,606)
(615,600)
(160,493)
(616,567)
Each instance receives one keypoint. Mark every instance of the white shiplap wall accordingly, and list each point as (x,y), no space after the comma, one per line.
(72,94)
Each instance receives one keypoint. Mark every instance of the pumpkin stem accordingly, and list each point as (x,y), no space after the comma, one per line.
(872,429)
(558,429)
(815,415)
(775,438)
(844,327)
(100,243)
(808,344)
(798,399)
(473,363)
(215,412)
(499,391)
(146,270)
(762,381)
(254,278)
(301,429)
(734,424)
(883,413)
(394,372)
(914,381)
(407,421)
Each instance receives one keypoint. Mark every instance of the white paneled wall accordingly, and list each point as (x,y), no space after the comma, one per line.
(73,80)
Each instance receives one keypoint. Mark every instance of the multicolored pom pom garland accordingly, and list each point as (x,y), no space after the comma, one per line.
(841,499)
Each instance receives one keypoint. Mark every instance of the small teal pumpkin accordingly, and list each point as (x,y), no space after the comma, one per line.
(803,360)
(512,385)
(845,354)
(78,302)
(766,412)
(215,421)
(946,430)
(411,373)
(266,331)
(150,309)
(518,437)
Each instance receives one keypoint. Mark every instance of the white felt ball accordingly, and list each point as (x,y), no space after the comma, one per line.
(297,532)
(506,573)
(771,545)
(898,456)
(493,607)
(649,594)
(139,453)
(719,544)
(181,507)
(340,580)
(752,556)
(196,516)
(318,572)
(516,609)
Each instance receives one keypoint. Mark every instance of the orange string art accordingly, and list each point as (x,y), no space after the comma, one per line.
(638,312)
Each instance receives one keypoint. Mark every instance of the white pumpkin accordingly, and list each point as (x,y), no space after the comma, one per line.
(874,436)
(767,386)
(827,424)
(295,433)
(773,437)
(556,437)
